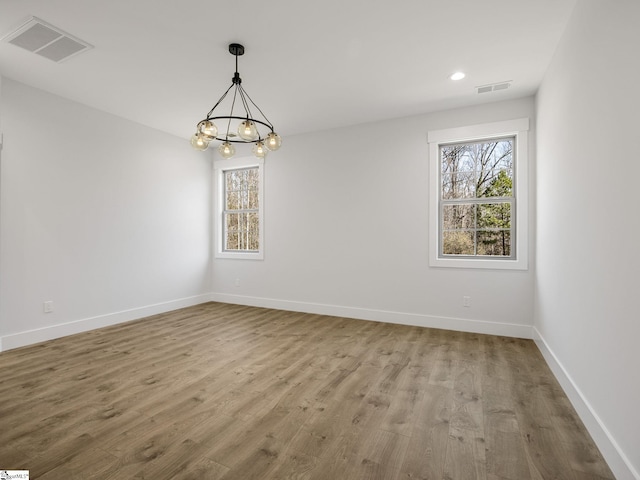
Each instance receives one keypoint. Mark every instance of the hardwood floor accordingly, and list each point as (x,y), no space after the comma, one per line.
(222,391)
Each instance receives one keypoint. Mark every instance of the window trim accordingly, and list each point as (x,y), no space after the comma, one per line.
(220,167)
(519,129)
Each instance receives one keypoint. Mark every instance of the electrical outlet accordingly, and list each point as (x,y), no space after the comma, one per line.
(466,301)
(237,282)
(47,306)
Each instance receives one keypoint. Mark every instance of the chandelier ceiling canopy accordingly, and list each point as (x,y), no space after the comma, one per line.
(240,125)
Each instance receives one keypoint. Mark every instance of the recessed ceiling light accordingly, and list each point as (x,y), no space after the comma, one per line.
(457,76)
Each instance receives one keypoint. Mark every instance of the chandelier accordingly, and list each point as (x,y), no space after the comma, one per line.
(237,127)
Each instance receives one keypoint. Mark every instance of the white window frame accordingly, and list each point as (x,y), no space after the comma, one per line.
(519,129)
(219,169)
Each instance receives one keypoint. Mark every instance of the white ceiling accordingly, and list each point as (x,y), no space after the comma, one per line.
(310,66)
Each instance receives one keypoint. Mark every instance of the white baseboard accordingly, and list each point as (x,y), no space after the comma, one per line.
(613,454)
(414,319)
(30,337)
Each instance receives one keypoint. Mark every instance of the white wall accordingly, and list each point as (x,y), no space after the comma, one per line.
(346,232)
(108,219)
(588,224)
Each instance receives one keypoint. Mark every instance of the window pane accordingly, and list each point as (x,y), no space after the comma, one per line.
(233,201)
(252,178)
(242,240)
(458,185)
(234,180)
(244,199)
(456,158)
(252,221)
(228,181)
(253,231)
(252,240)
(498,184)
(495,168)
(232,241)
(497,243)
(253,199)
(459,216)
(494,215)
(242,179)
(233,222)
(458,243)
(503,156)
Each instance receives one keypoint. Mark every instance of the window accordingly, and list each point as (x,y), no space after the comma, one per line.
(478,212)
(476,198)
(239,207)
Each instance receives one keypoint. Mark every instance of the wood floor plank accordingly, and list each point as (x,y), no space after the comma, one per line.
(382,454)
(466,446)
(219,391)
(204,469)
(505,452)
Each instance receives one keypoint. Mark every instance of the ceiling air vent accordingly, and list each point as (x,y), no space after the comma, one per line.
(46,40)
(494,87)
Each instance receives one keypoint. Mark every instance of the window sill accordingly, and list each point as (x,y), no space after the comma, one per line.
(489,264)
(241,255)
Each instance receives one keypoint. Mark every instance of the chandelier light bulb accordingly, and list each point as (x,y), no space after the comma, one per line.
(227,150)
(273,141)
(207,130)
(259,150)
(247,130)
(198,142)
